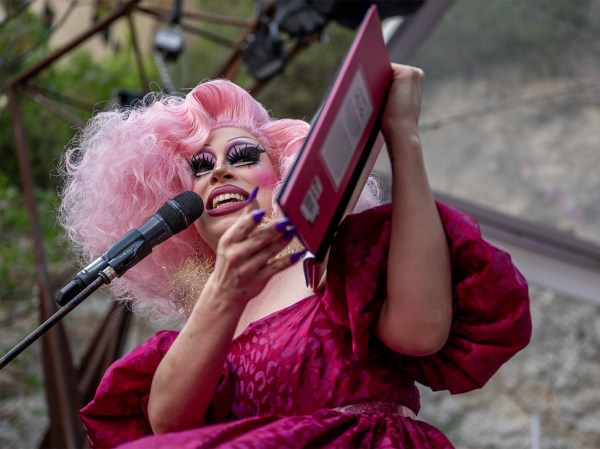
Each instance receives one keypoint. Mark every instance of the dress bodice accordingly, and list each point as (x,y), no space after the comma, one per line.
(287,375)
(272,370)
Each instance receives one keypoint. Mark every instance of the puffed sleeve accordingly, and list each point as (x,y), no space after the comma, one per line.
(491,320)
(118,412)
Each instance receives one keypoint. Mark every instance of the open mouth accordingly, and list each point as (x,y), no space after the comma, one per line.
(226,198)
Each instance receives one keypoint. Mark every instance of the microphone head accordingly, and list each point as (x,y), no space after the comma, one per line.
(182,211)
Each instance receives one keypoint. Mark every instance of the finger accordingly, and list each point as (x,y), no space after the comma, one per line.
(276,265)
(242,228)
(261,275)
(263,244)
(400,71)
(248,222)
(250,275)
(267,252)
(252,202)
(249,272)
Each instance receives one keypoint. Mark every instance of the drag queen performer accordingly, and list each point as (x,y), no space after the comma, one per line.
(412,292)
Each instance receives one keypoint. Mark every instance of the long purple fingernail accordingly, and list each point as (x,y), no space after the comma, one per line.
(290,233)
(252,195)
(296,256)
(258,215)
(281,225)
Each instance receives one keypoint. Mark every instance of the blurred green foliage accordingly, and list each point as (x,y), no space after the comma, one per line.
(17,263)
(80,88)
(23,38)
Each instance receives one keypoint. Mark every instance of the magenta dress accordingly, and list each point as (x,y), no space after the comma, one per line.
(314,375)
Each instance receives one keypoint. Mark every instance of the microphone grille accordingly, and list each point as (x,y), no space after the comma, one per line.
(182,211)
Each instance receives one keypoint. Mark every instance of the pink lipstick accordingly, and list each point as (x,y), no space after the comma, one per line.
(226,200)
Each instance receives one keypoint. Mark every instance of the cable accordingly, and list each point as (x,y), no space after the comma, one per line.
(163,70)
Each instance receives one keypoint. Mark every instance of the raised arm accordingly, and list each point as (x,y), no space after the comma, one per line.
(186,379)
(416,316)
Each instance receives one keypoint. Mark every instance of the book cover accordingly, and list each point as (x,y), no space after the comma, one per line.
(343,143)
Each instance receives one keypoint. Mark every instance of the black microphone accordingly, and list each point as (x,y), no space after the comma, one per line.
(173,217)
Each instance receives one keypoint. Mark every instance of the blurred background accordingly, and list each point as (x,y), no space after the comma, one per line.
(510,132)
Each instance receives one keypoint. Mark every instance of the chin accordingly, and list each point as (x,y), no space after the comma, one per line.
(212,228)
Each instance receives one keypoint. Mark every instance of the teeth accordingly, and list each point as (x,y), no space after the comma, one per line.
(219,200)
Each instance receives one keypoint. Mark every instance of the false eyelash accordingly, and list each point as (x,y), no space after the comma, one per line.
(200,164)
(247,155)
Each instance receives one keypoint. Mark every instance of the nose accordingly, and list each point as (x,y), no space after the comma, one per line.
(220,174)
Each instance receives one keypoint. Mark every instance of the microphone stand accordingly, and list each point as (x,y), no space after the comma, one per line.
(118,265)
(124,254)
(59,315)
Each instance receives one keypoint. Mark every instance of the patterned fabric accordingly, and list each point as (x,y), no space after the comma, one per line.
(289,375)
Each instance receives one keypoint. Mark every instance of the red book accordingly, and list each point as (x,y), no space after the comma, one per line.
(343,143)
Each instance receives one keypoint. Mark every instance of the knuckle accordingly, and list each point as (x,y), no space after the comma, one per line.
(226,239)
(228,255)
(234,258)
(417,74)
(261,238)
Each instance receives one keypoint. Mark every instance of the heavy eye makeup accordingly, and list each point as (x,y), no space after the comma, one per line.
(202,163)
(242,154)
(238,155)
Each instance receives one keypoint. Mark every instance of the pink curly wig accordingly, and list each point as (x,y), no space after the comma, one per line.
(125,164)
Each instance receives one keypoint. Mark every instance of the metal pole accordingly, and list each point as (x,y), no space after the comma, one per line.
(60,379)
(137,52)
(415,28)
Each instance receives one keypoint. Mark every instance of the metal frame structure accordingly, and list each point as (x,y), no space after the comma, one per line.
(69,387)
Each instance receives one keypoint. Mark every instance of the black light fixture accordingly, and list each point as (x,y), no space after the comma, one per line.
(128,98)
(264,52)
(301,17)
(170,42)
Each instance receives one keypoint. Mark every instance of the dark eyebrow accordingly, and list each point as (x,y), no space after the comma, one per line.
(243,137)
(233,138)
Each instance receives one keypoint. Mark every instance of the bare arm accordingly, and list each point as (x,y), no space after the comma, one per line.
(186,378)
(415,318)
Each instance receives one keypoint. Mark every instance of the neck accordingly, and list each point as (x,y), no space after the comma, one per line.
(283,290)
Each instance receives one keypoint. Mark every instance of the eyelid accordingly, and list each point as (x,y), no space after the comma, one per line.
(202,158)
(245,143)
(248,154)
(244,151)
(204,151)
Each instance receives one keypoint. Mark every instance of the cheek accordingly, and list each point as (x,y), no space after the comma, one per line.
(265,177)
(200,186)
